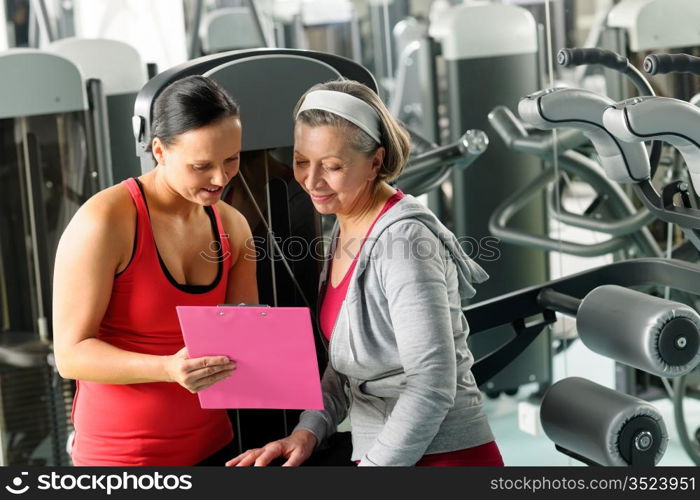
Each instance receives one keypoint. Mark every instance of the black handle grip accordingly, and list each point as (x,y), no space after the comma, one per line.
(579,57)
(658,64)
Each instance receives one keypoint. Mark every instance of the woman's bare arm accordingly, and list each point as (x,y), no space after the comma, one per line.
(88,256)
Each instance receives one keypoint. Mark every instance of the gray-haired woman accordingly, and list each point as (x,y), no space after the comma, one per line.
(391,300)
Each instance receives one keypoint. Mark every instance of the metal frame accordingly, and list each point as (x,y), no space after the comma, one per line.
(517,308)
(621,227)
(100,132)
(628,228)
(426,171)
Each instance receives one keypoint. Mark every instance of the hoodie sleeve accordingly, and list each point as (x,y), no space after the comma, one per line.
(323,423)
(416,291)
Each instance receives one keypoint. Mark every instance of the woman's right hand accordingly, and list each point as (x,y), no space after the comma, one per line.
(196,374)
(296,448)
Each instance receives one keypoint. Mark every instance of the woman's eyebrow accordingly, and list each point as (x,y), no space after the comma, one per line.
(334,157)
(208,160)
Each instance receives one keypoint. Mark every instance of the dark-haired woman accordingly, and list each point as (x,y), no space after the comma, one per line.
(130,255)
(399,365)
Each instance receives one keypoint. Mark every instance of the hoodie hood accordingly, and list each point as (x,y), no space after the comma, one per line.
(410,208)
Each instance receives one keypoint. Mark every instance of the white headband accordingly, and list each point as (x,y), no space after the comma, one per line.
(352,108)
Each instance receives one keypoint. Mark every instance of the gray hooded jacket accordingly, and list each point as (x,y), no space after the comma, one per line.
(399,361)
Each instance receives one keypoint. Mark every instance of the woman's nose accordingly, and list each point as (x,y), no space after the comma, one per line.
(221,177)
(314,178)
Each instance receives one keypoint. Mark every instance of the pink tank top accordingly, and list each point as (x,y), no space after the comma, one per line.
(334,296)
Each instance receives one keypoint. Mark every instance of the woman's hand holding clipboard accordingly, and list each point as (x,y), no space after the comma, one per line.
(197,374)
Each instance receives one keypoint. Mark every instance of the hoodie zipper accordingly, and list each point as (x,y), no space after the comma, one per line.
(343,308)
(346,382)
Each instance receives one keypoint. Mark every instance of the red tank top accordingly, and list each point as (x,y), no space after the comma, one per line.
(154,424)
(334,296)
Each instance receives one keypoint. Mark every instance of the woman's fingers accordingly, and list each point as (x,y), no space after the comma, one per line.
(195,374)
(268,454)
(296,458)
(258,457)
(205,374)
(206,362)
(295,448)
(202,383)
(237,459)
(250,458)
(209,371)
(246,458)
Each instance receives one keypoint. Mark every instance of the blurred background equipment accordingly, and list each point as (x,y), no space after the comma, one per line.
(539,159)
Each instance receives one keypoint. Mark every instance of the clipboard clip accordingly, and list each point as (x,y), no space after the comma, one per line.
(243,304)
(222,313)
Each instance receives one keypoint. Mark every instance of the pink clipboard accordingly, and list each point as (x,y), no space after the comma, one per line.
(273,348)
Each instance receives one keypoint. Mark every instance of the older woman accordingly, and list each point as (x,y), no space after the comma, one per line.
(391,299)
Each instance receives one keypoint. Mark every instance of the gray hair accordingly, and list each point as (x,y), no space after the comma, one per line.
(395,139)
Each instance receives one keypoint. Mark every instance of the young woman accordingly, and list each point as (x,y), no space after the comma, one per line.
(391,300)
(130,255)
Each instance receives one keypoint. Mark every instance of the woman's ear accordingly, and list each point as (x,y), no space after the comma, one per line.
(377,161)
(158,149)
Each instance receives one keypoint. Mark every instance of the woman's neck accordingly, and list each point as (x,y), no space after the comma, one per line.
(164,199)
(359,220)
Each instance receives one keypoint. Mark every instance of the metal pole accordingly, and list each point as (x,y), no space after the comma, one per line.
(42,322)
(3,426)
(98,112)
(4,37)
(4,305)
(196,22)
(33,37)
(356,37)
(42,16)
(258,24)
(560,302)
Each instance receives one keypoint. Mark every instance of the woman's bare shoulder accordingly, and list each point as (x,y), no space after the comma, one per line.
(112,207)
(107,221)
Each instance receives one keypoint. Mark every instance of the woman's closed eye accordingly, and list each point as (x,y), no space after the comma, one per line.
(201,167)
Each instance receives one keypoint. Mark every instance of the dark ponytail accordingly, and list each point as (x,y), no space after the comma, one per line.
(188,104)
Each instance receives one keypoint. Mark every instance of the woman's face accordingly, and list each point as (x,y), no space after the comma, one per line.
(338,178)
(200,162)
